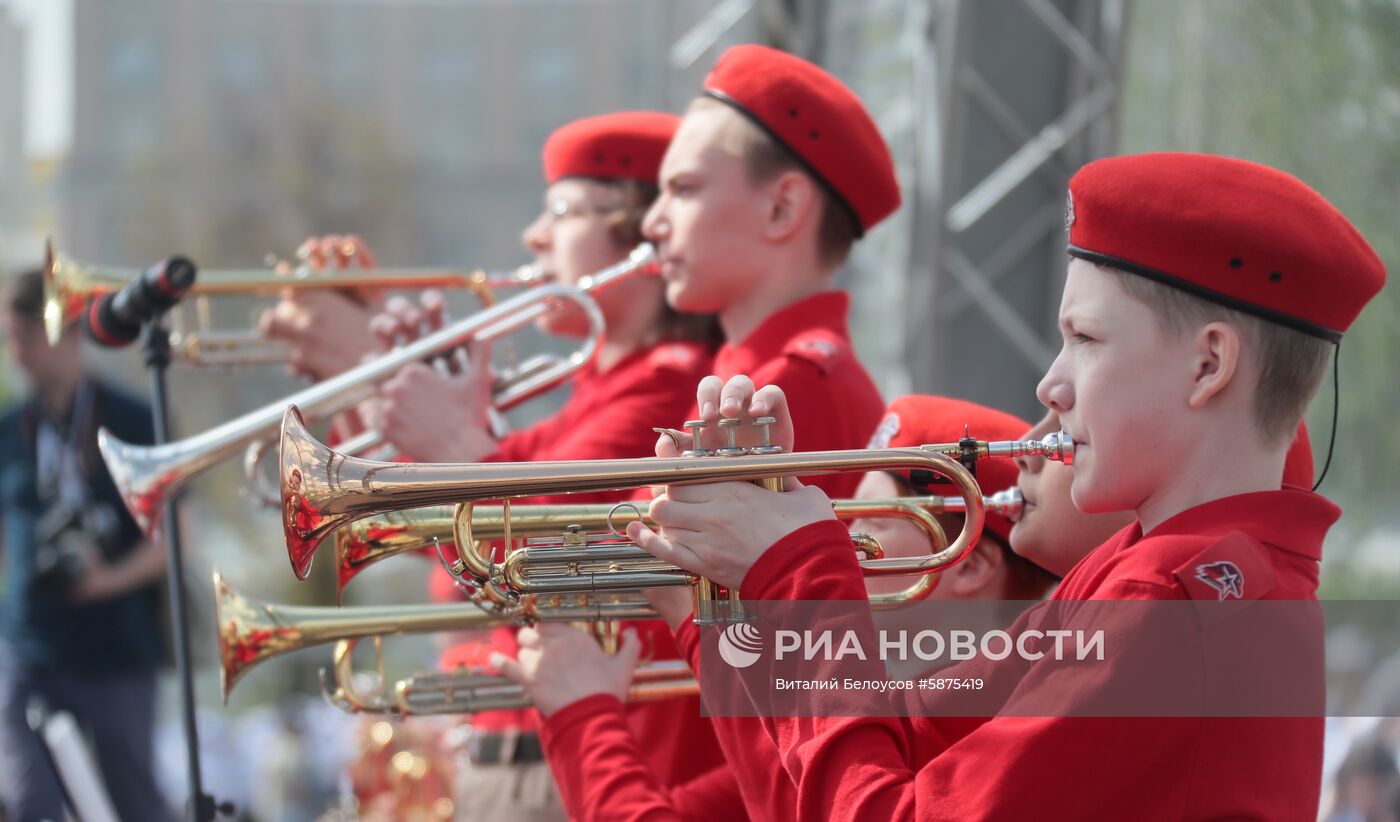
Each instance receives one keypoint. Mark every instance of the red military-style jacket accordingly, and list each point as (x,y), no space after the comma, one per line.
(804,348)
(609,415)
(1027,766)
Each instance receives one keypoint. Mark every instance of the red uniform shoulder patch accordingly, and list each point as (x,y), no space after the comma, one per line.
(1234,567)
(823,348)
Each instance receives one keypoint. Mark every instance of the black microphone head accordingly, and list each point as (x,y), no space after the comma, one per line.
(107,327)
(175,276)
(116,319)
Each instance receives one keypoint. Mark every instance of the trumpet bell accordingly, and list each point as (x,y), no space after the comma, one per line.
(247,634)
(140,474)
(152,475)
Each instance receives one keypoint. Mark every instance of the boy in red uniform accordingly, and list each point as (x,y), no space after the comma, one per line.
(601,175)
(1203,300)
(596,760)
(776,169)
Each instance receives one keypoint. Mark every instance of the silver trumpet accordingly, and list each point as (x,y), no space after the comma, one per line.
(146,475)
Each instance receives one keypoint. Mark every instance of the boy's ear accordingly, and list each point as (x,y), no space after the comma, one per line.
(1216,358)
(792,198)
(975,572)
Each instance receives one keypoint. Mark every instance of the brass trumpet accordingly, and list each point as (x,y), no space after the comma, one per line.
(145,475)
(465,692)
(251,631)
(323,491)
(69,285)
(367,541)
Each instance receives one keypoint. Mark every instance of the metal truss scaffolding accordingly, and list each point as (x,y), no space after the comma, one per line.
(1025,92)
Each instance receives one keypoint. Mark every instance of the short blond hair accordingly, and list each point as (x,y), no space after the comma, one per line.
(1291,363)
(766,158)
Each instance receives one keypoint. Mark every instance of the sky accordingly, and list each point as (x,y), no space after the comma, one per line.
(48,69)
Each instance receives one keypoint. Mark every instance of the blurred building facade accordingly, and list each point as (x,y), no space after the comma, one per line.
(13,169)
(230,129)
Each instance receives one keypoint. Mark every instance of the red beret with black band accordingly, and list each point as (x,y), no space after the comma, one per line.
(817,118)
(920,419)
(627,145)
(1237,233)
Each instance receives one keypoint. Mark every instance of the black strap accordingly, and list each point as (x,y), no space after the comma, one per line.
(491,748)
(1336,409)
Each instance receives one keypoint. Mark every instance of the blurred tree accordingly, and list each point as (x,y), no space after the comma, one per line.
(1312,88)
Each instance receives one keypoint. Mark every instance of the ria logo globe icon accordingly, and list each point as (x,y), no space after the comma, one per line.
(740,644)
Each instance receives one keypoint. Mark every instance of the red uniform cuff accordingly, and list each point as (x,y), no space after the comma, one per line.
(815,561)
(590,707)
(687,638)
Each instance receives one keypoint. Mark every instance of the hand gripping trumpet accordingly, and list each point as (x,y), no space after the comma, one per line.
(323,491)
(251,631)
(146,475)
(370,540)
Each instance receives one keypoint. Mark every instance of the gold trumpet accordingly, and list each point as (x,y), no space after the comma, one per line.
(251,631)
(323,491)
(146,475)
(69,285)
(465,692)
(367,541)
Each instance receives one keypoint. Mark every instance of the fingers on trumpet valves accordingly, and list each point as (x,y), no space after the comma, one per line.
(756,437)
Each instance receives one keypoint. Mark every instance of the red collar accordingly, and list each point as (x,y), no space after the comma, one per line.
(826,310)
(1289,519)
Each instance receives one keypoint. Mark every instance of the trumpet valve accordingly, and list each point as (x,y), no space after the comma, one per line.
(695,427)
(731,448)
(764,426)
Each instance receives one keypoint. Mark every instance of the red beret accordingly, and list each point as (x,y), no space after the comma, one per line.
(924,420)
(1298,465)
(1237,233)
(818,119)
(627,145)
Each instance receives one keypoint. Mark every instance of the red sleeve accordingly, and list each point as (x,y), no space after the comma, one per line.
(601,772)
(610,421)
(1010,767)
(814,562)
(831,411)
(520,446)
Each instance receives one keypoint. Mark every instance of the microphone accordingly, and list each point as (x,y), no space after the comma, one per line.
(115,320)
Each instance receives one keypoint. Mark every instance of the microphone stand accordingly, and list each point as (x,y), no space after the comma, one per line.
(155,350)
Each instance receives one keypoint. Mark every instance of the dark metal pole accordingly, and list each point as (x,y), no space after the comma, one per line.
(155,348)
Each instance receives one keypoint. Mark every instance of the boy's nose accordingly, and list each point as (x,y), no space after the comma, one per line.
(654,225)
(535,236)
(1054,392)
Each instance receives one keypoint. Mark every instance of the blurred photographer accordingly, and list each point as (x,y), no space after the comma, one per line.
(80,626)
